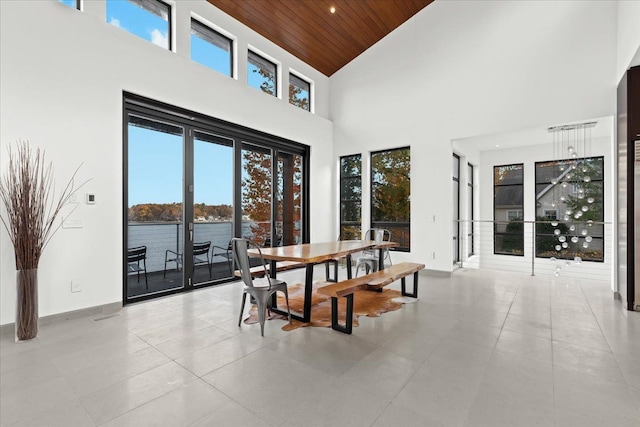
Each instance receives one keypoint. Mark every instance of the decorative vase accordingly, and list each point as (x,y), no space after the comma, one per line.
(27,304)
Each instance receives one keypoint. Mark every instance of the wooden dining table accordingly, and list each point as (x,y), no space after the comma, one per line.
(311,254)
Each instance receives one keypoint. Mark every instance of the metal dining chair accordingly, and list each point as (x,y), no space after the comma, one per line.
(260,289)
(136,256)
(369,259)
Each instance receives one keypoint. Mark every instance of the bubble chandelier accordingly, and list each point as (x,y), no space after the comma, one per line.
(571,153)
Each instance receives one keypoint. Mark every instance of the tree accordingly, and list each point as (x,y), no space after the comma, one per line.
(391,185)
(296,99)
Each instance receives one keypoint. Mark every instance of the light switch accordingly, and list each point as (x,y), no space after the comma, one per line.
(91,198)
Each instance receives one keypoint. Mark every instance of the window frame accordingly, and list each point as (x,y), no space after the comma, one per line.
(495,222)
(355,201)
(216,34)
(390,224)
(253,52)
(293,77)
(470,198)
(574,190)
(140,3)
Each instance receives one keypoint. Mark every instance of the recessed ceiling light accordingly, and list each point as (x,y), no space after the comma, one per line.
(332,9)
(497,145)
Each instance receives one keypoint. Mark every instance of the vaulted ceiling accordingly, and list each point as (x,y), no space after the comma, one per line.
(310,31)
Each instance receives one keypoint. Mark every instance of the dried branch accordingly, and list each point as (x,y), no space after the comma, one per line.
(28,193)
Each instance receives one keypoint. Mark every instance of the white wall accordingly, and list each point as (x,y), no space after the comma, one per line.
(628,35)
(464,68)
(535,145)
(62,74)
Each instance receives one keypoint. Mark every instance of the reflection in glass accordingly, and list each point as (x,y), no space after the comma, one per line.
(256,194)
(155,216)
(350,197)
(575,197)
(212,204)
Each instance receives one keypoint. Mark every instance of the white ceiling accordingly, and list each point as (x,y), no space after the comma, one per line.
(532,136)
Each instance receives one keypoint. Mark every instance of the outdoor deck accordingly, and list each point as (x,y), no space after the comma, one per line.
(173,279)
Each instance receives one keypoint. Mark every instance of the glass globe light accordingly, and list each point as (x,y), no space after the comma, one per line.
(565,245)
(572,227)
(585,208)
(585,245)
(588,239)
(556,231)
(552,259)
(587,179)
(590,223)
(554,181)
(566,218)
(583,232)
(554,223)
(575,239)
(568,211)
(562,198)
(564,184)
(591,200)
(578,260)
(562,239)
(570,149)
(558,247)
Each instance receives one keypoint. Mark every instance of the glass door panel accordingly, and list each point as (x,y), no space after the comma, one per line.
(256,194)
(154,201)
(289,199)
(212,207)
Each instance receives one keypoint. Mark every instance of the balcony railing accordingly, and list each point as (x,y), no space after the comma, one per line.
(516,246)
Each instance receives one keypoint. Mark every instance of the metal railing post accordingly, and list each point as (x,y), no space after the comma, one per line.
(533,247)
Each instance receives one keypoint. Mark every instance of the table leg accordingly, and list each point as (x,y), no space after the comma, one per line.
(308,291)
(272,274)
(380,259)
(349,269)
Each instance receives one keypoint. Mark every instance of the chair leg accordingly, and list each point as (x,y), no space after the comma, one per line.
(146,282)
(164,272)
(286,298)
(244,298)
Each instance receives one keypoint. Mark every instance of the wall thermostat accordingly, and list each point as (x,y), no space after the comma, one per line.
(91,198)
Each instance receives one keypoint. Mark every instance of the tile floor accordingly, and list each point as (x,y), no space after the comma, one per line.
(482,348)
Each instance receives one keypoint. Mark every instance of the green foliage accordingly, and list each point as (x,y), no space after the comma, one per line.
(391,185)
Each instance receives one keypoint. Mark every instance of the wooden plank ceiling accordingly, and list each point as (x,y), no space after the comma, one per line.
(308,30)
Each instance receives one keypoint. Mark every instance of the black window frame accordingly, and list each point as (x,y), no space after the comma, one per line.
(210,35)
(405,239)
(517,224)
(344,200)
(159,3)
(77,4)
(242,135)
(258,61)
(470,183)
(456,219)
(543,231)
(293,79)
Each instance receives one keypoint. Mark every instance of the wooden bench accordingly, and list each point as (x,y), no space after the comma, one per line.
(258,270)
(373,281)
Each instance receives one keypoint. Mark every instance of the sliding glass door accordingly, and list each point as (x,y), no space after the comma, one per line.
(155,217)
(212,207)
(191,184)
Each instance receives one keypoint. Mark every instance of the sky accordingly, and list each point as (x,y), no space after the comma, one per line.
(155,169)
(156,158)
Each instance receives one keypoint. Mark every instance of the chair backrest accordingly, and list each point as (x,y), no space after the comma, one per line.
(371,234)
(241,258)
(136,254)
(201,248)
